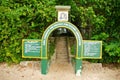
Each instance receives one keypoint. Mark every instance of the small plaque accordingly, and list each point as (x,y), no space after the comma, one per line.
(62,16)
(63,12)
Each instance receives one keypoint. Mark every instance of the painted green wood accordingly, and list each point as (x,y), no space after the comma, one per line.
(78,67)
(92,49)
(44,66)
(31,48)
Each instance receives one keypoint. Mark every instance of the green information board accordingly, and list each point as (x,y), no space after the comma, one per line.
(31,48)
(92,49)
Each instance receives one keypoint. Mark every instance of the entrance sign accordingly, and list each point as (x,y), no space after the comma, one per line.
(92,49)
(31,48)
(63,12)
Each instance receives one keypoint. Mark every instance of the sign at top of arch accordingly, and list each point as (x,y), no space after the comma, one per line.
(63,12)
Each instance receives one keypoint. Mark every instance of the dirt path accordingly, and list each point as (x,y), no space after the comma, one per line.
(58,71)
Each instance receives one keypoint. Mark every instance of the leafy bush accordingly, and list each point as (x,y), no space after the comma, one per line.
(22,19)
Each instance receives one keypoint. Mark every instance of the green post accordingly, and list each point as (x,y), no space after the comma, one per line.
(78,67)
(44,66)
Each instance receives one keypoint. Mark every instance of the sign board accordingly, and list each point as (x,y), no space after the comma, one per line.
(63,12)
(62,16)
(92,49)
(31,48)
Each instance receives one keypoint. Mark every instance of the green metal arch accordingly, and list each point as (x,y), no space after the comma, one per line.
(56,25)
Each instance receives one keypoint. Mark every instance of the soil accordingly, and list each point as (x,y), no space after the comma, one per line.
(59,71)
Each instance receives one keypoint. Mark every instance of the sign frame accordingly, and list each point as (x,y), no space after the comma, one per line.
(23,48)
(92,57)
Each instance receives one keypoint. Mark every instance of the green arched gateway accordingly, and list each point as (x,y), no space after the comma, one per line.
(48,31)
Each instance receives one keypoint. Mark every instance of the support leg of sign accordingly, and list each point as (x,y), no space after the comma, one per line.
(44,66)
(78,67)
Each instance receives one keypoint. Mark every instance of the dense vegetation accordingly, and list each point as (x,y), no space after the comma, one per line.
(27,19)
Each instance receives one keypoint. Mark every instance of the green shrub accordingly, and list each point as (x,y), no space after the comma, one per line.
(22,19)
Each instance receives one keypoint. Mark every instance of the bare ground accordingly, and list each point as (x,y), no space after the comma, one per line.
(58,71)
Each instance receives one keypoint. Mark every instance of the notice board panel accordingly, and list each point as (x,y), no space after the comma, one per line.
(31,48)
(92,49)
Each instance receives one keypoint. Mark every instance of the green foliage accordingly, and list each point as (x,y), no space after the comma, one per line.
(102,36)
(113,49)
(73,49)
(22,19)
(100,21)
(51,47)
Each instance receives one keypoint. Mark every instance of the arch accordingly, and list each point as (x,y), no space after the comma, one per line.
(56,25)
(44,58)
